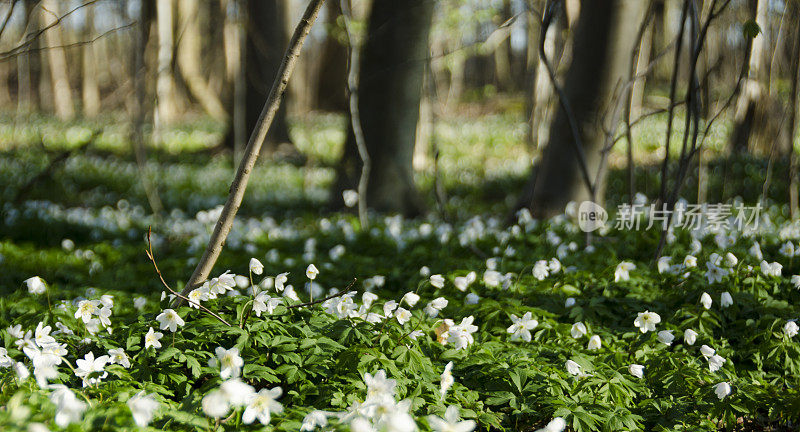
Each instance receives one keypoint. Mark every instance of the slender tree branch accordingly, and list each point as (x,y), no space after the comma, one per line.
(32,37)
(10,55)
(239,185)
(149,252)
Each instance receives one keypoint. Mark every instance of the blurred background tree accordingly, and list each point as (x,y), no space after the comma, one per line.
(422,62)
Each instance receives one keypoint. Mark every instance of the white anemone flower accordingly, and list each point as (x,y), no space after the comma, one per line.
(451,422)
(169,319)
(646,321)
(521,327)
(262,405)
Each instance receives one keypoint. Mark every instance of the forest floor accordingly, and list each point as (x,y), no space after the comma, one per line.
(82,228)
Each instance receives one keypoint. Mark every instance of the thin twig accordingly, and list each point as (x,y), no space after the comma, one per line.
(32,37)
(239,184)
(10,55)
(150,255)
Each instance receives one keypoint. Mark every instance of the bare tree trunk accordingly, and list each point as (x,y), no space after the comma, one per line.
(90,91)
(642,61)
(190,56)
(391,76)
(57,59)
(330,86)
(543,92)
(166,106)
(794,102)
(266,39)
(502,54)
(748,117)
(139,105)
(29,64)
(233,39)
(603,41)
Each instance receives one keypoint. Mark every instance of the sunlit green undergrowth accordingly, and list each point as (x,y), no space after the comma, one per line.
(542,332)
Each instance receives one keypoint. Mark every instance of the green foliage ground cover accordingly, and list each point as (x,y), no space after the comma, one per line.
(84,231)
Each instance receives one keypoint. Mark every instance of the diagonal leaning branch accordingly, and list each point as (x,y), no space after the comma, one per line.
(236,193)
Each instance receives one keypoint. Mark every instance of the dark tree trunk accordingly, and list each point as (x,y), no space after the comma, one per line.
(604,39)
(331,88)
(390,86)
(266,42)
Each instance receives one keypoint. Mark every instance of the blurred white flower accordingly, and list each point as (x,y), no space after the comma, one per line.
(666,337)
(690,261)
(262,405)
(451,422)
(228,361)
(402,315)
(280,280)
(118,356)
(446,380)
(143,406)
(312,271)
(715,273)
(715,362)
(725,300)
(791,329)
(707,351)
(705,300)
(437,280)
(722,389)
(621,273)
(69,409)
(771,269)
(215,404)
(636,370)
(87,308)
(313,420)
(256,267)
(541,270)
(350,197)
(594,343)
(139,303)
(569,302)
(578,330)
(264,303)
(435,306)
(35,285)
(492,278)
(411,298)
(573,368)
(558,424)
(689,337)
